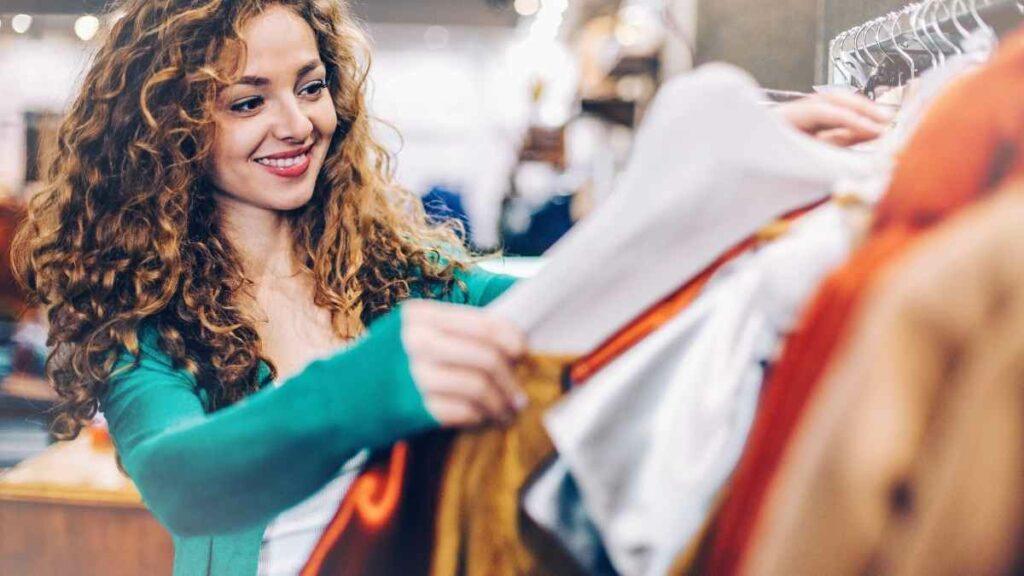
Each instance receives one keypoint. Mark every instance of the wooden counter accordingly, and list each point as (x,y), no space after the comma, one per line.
(71,511)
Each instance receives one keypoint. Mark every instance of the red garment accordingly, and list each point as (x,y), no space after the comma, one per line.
(969,141)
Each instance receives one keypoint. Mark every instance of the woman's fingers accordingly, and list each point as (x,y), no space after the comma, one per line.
(824,115)
(462,360)
(473,323)
(840,118)
(464,353)
(467,386)
(841,137)
(860,105)
(455,413)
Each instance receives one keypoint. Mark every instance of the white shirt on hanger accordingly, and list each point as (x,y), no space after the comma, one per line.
(710,166)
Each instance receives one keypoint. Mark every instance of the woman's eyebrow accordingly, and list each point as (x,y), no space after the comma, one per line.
(309,67)
(261,81)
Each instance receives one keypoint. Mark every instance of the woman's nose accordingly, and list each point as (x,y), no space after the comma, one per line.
(293,122)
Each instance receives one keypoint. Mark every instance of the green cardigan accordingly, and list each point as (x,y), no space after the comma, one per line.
(216,479)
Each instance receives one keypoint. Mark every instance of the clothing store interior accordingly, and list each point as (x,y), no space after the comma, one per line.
(750,269)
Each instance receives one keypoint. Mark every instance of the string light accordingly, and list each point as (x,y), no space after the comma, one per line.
(436,37)
(527,7)
(86,27)
(21,23)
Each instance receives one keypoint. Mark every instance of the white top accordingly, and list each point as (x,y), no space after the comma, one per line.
(652,438)
(290,538)
(710,167)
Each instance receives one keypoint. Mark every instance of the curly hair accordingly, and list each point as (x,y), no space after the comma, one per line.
(126,233)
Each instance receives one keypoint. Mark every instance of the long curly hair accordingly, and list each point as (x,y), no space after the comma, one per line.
(126,233)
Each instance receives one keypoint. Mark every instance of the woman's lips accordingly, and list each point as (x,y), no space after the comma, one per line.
(287,168)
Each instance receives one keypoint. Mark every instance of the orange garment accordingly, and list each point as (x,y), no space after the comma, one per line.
(910,459)
(968,142)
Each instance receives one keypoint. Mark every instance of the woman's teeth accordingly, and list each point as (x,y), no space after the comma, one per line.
(283,162)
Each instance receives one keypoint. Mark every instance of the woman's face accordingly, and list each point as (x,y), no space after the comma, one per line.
(273,127)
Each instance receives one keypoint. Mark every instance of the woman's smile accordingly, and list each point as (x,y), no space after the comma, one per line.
(290,164)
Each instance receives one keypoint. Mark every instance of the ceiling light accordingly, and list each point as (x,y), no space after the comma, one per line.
(86,27)
(527,7)
(21,23)
(436,37)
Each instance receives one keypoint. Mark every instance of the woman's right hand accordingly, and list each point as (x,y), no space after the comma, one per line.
(462,360)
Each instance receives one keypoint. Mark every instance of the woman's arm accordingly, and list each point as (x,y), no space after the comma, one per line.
(205,473)
(211,473)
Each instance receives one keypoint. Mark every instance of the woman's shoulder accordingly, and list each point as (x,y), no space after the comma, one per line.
(478,287)
(150,357)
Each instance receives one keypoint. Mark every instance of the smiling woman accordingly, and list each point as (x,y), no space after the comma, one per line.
(277,121)
(221,226)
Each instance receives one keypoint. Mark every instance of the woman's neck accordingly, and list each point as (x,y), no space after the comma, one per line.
(263,239)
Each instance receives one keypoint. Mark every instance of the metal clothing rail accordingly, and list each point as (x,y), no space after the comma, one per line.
(901,44)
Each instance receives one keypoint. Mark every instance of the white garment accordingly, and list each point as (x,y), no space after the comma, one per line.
(710,166)
(290,538)
(653,437)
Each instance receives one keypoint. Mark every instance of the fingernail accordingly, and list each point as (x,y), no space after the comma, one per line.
(521,401)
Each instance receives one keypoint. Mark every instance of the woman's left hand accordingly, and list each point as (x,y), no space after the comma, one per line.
(840,118)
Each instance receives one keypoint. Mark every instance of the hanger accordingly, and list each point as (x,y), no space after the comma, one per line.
(915,13)
(835,57)
(955,17)
(852,60)
(925,26)
(937,26)
(895,31)
(983,29)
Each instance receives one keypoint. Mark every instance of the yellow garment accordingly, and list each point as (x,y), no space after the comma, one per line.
(911,458)
(478,530)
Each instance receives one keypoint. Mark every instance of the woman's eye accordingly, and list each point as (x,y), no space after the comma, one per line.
(314,88)
(247,105)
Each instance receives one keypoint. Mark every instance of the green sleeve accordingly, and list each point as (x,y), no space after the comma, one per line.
(483,287)
(205,473)
(210,473)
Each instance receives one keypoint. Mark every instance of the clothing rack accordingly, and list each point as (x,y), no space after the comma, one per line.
(902,44)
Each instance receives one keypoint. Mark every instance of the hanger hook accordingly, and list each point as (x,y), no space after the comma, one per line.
(873,25)
(915,13)
(855,62)
(938,26)
(983,26)
(858,45)
(896,30)
(836,55)
(927,29)
(955,13)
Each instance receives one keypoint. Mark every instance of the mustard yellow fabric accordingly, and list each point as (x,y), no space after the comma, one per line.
(478,530)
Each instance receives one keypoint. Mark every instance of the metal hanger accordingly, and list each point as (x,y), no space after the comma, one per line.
(937,26)
(835,56)
(895,31)
(851,60)
(925,27)
(873,25)
(954,14)
(982,25)
(915,12)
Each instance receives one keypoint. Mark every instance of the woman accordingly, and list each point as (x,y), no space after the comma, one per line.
(219,224)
